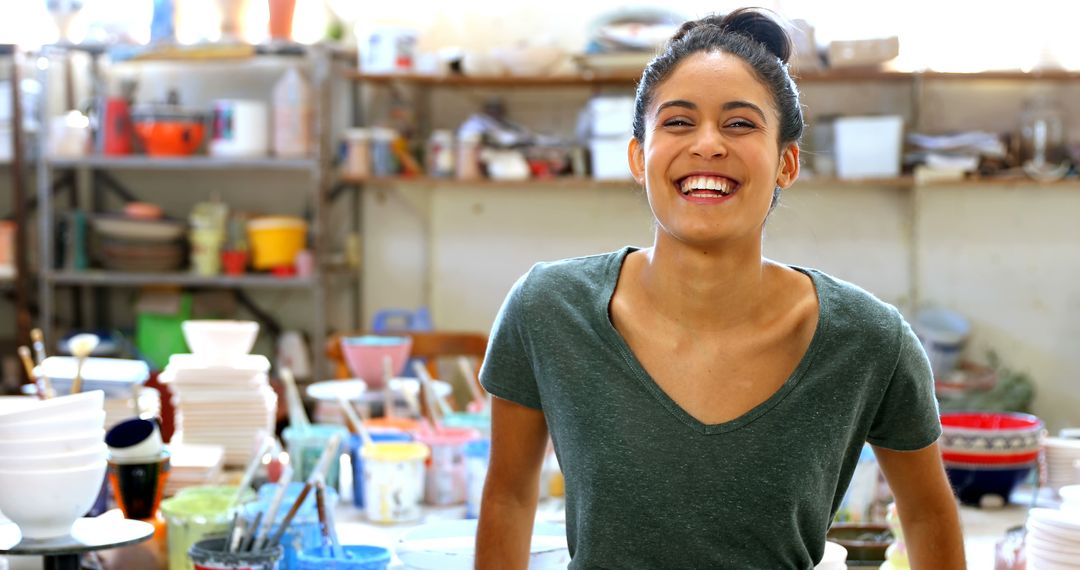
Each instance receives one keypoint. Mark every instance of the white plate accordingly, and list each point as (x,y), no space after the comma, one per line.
(329,390)
(252,362)
(449,545)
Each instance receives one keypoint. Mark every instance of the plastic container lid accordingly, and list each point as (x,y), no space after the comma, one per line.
(397,452)
(276,223)
(448,436)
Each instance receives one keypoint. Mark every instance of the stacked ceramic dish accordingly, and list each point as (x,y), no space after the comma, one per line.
(52,461)
(193,465)
(1053,540)
(126,243)
(1062,462)
(987,454)
(221,393)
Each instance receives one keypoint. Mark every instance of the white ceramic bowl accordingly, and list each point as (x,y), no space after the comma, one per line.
(62,406)
(49,502)
(220,341)
(51,446)
(55,462)
(76,425)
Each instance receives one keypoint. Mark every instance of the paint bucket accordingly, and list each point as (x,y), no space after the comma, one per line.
(193,514)
(445,476)
(471,420)
(303,532)
(212,554)
(354,557)
(393,481)
(355,444)
(943,334)
(477,458)
(306,446)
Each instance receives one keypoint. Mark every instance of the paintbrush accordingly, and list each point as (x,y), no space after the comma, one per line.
(470,379)
(429,390)
(414,405)
(352,419)
(80,346)
(297,415)
(38,339)
(275,505)
(248,539)
(320,507)
(249,473)
(320,468)
(388,394)
(236,533)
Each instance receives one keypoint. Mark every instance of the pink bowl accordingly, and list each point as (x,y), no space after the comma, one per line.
(364,356)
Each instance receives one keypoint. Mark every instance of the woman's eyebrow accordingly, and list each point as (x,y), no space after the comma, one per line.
(676,103)
(732,105)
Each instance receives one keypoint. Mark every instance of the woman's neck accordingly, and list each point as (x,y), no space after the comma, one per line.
(701,289)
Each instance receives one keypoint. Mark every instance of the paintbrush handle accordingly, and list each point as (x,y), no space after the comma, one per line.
(236,533)
(38,339)
(249,473)
(275,504)
(429,393)
(350,416)
(388,395)
(470,378)
(249,535)
(274,540)
(320,507)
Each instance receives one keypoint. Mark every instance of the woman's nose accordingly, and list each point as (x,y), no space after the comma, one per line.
(709,143)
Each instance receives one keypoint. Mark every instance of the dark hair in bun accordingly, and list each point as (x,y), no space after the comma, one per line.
(747,33)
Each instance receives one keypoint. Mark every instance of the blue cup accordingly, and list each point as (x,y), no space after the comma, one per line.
(477,458)
(358,462)
(303,532)
(353,557)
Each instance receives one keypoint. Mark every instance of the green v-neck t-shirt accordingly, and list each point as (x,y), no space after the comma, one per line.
(647,484)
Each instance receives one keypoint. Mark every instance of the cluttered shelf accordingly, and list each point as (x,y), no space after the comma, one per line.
(624,78)
(136,279)
(183,163)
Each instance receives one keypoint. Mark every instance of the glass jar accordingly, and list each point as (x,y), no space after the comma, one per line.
(383,161)
(1043,153)
(440,154)
(468,163)
(357,153)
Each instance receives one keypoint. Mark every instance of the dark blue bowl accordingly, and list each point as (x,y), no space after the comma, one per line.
(971,483)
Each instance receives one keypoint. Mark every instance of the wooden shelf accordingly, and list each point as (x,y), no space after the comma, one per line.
(139,162)
(808,77)
(137,279)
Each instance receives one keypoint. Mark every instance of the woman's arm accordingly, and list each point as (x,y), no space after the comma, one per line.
(927,508)
(508,508)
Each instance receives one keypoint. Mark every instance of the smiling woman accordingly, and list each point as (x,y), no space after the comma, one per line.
(717,399)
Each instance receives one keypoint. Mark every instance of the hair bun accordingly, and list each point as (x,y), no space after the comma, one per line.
(750,22)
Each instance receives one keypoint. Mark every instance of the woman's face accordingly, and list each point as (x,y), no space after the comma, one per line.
(711,159)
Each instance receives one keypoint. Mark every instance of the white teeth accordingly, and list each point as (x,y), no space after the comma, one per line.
(692,183)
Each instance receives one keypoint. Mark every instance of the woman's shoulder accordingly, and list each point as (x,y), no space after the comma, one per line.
(851,308)
(588,271)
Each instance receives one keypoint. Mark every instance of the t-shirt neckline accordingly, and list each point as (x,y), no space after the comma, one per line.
(615,338)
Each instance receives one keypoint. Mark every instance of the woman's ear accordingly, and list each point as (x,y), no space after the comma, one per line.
(789,166)
(635,155)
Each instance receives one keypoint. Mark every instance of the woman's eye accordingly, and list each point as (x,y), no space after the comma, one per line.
(677,123)
(741,124)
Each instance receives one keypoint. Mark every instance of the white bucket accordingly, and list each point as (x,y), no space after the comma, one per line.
(943,334)
(393,481)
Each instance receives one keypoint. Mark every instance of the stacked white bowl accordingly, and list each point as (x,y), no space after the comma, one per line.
(1053,540)
(221,393)
(52,461)
(1062,456)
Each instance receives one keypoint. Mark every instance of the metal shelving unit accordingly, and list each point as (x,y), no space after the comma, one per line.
(316,169)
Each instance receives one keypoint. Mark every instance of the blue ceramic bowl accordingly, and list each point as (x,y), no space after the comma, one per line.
(971,483)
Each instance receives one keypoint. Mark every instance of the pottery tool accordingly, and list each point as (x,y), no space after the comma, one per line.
(470,379)
(249,473)
(320,469)
(38,339)
(429,390)
(81,346)
(297,416)
(272,510)
(44,386)
(352,419)
(388,394)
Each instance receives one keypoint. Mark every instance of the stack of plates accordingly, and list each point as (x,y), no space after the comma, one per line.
(1053,540)
(192,465)
(1062,456)
(232,406)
